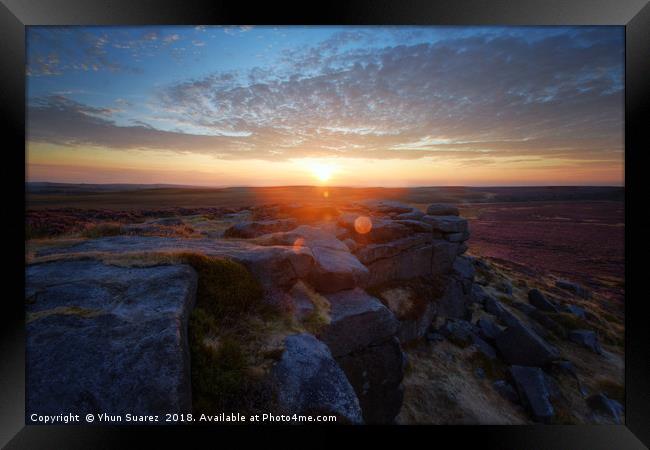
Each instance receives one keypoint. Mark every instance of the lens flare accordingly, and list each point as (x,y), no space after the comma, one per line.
(362,224)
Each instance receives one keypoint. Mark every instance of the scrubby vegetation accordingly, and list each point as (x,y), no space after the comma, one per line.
(231,337)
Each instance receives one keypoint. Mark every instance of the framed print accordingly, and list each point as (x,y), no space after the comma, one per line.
(378,218)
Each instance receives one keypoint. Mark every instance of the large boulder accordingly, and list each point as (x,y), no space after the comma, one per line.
(307,380)
(107,339)
(404,265)
(539,300)
(605,407)
(454,303)
(413,308)
(442,209)
(447,224)
(357,321)
(334,269)
(361,337)
(586,338)
(577,289)
(373,252)
(253,229)
(533,391)
(521,346)
(376,373)
(488,329)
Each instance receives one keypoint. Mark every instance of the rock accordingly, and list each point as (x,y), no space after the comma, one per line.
(357,321)
(479,294)
(564,368)
(402,264)
(167,221)
(351,244)
(108,339)
(575,310)
(459,332)
(488,329)
(454,303)
(504,286)
(414,311)
(533,390)
(521,346)
(415,214)
(248,230)
(444,255)
(334,269)
(435,337)
(486,349)
(524,307)
(307,380)
(586,338)
(274,266)
(493,306)
(447,224)
(457,237)
(387,206)
(416,225)
(577,289)
(506,390)
(548,322)
(539,300)
(480,373)
(441,209)
(376,374)
(372,252)
(605,406)
(464,268)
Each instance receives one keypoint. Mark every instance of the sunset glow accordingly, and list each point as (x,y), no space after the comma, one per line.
(335,106)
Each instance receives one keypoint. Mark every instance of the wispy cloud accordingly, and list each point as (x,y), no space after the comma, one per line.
(476,98)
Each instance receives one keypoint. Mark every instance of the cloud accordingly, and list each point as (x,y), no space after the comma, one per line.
(471,97)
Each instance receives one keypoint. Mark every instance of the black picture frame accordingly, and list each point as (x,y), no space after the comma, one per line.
(633,14)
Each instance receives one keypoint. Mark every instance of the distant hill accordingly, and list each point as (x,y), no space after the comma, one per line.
(156,196)
(44,187)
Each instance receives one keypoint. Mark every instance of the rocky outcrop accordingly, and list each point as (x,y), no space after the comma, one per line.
(372,244)
(361,337)
(308,381)
(106,339)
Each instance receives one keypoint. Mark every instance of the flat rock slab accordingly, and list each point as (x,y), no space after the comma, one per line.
(272,265)
(533,390)
(334,269)
(108,339)
(521,346)
(357,321)
(309,381)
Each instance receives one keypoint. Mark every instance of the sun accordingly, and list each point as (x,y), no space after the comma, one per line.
(322,171)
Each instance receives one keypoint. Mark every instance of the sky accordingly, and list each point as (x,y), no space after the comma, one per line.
(345,106)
